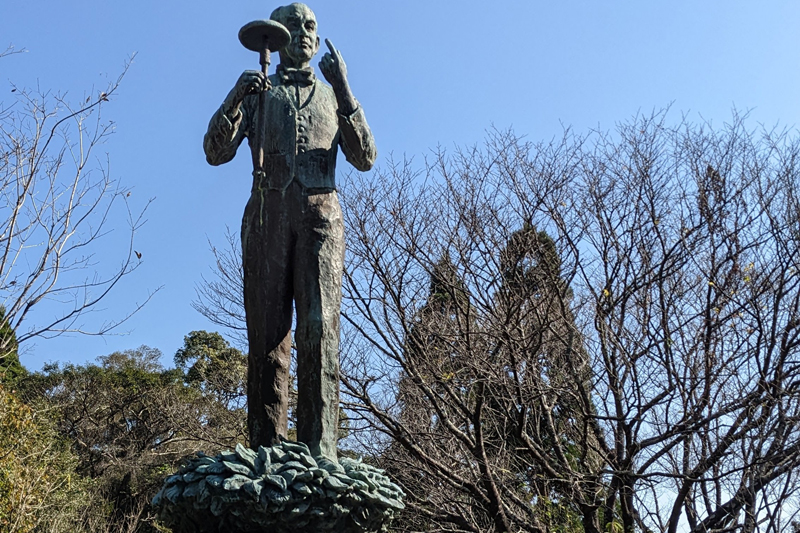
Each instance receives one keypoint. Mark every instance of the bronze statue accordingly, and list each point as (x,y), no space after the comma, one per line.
(292,229)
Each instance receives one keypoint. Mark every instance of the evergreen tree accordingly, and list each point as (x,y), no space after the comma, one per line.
(212,365)
(130,422)
(479,385)
(542,399)
(11,370)
(432,348)
(39,488)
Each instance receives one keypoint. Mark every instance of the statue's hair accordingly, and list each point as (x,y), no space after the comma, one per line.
(280,13)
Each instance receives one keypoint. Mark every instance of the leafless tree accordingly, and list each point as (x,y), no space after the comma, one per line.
(462,350)
(598,333)
(649,382)
(58,203)
(221,298)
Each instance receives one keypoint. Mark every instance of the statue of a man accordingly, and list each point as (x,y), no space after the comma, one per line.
(292,230)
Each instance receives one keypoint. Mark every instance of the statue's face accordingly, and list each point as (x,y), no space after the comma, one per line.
(302,25)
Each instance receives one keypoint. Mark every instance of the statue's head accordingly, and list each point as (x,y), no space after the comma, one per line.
(302,25)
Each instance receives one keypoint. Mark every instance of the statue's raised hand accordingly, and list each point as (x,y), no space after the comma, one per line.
(333,68)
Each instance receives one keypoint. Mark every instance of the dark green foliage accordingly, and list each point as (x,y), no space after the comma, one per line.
(127,419)
(448,293)
(131,422)
(530,262)
(11,370)
(39,489)
(212,365)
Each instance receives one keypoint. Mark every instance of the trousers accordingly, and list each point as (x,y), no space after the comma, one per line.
(293,253)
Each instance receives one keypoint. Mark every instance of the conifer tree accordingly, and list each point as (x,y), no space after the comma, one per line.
(11,370)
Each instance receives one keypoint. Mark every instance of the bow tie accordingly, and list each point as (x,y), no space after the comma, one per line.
(296,76)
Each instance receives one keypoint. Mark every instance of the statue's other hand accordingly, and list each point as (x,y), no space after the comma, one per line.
(251,82)
(333,67)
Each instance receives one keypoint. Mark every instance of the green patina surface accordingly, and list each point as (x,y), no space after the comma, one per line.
(282,488)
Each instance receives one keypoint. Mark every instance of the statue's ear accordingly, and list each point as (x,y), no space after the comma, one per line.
(316,45)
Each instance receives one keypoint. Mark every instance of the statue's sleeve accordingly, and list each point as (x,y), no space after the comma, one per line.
(356,140)
(224,135)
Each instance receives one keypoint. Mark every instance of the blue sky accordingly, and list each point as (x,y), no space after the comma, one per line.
(427,73)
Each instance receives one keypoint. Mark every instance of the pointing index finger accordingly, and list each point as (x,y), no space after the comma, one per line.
(330,46)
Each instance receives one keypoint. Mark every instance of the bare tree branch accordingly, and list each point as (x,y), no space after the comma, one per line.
(58,204)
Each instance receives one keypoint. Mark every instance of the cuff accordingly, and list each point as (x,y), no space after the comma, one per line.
(349,118)
(230,122)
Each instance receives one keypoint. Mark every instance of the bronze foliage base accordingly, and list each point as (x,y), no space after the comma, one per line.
(282,489)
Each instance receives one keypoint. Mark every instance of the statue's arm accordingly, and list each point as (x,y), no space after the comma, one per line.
(225,134)
(228,126)
(355,137)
